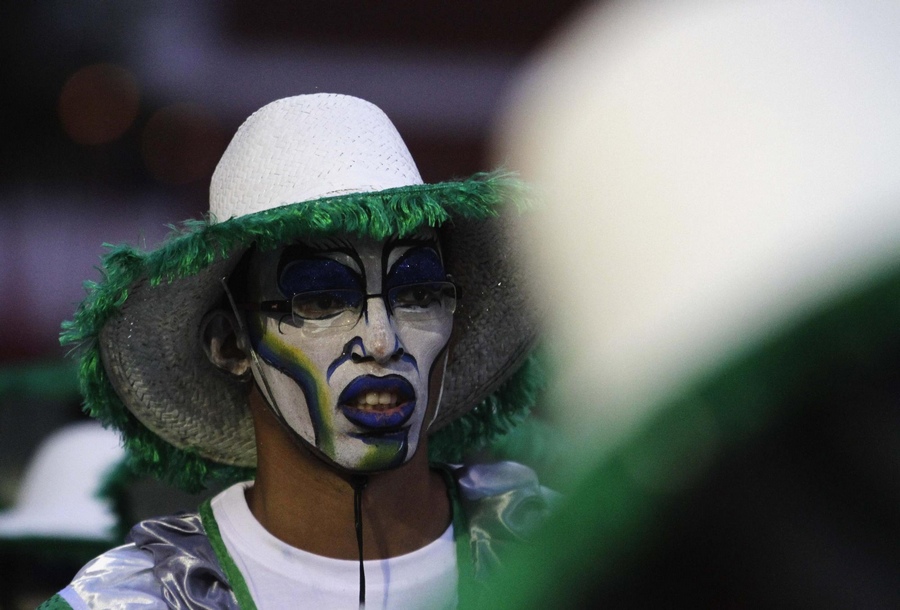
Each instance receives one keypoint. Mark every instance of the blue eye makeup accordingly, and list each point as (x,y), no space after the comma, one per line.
(307,274)
(421,264)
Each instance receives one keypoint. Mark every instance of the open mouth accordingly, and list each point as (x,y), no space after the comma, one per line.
(378,403)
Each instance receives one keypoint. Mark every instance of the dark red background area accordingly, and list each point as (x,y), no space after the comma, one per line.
(198,69)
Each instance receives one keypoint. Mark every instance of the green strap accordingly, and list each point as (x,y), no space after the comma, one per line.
(235,578)
(55,603)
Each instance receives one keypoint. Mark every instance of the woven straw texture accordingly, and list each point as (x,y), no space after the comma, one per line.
(309,147)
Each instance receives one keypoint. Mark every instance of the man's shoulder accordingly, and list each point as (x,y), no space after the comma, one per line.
(180,530)
(502,480)
(503,501)
(168,557)
(117,578)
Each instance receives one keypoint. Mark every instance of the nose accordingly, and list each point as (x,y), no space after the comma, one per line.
(380,341)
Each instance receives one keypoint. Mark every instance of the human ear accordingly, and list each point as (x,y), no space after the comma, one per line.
(223,344)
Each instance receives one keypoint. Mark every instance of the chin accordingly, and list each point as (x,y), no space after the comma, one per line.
(370,453)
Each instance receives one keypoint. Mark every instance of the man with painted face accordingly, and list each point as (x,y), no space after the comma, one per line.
(327,340)
(354,353)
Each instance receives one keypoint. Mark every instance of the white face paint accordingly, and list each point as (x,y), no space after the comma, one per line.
(362,394)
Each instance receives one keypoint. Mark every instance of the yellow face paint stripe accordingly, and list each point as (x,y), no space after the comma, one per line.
(298,366)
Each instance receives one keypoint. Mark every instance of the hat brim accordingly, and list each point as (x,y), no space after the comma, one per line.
(144,370)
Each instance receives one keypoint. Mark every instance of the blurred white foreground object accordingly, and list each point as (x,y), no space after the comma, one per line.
(58,498)
(711,171)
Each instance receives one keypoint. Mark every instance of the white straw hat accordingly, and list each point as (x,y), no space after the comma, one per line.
(299,167)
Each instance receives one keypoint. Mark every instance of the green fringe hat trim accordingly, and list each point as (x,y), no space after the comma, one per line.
(196,244)
(493,417)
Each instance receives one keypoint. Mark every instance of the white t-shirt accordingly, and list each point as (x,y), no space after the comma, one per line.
(281,576)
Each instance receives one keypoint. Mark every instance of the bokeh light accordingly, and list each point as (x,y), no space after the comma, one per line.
(98,104)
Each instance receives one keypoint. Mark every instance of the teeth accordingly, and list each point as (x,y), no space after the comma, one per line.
(377,399)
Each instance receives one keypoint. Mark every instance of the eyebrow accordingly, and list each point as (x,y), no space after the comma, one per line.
(413,240)
(327,244)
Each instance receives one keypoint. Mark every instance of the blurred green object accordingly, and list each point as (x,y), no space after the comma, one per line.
(540,445)
(610,520)
(50,380)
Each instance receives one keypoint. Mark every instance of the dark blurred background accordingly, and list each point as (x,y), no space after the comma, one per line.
(115,113)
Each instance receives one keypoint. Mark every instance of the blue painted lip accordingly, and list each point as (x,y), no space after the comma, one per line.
(392,436)
(370,419)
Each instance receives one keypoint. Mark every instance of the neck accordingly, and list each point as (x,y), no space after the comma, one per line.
(308,504)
